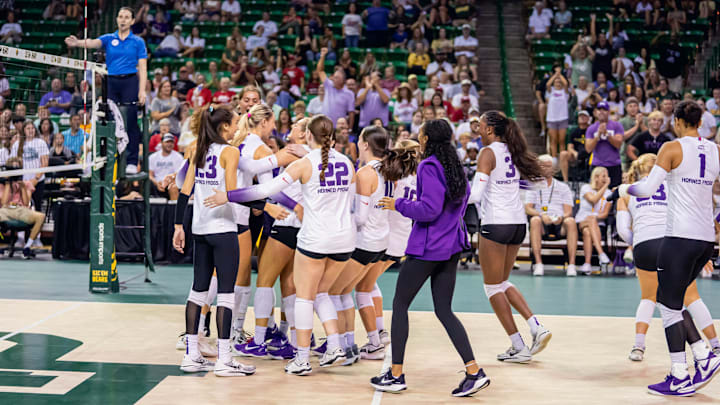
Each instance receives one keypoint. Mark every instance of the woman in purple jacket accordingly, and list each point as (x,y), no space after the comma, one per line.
(437,238)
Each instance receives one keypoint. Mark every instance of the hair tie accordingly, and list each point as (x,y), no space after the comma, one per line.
(211,109)
(249,115)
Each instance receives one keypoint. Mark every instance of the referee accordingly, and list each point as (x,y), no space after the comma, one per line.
(126,59)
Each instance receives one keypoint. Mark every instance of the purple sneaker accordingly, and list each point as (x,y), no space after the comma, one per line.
(320,350)
(705,370)
(673,386)
(275,339)
(250,349)
(287,352)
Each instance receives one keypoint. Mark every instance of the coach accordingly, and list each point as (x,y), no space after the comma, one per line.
(126,58)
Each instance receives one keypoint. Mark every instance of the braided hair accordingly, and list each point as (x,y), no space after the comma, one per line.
(509,132)
(321,128)
(439,144)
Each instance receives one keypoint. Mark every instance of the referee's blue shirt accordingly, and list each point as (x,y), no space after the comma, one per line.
(121,56)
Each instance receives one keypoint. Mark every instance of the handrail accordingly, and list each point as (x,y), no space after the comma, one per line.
(507,91)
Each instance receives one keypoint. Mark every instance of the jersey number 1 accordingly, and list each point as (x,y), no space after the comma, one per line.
(702,165)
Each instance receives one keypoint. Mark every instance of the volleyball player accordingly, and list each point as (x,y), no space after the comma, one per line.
(213,166)
(641,223)
(496,185)
(438,237)
(372,241)
(690,164)
(326,239)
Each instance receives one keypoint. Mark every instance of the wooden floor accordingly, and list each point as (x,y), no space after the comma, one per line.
(586,362)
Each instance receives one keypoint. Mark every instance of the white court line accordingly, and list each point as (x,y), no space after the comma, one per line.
(377,396)
(56,314)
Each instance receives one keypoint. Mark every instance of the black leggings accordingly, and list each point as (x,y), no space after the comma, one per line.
(679,263)
(413,274)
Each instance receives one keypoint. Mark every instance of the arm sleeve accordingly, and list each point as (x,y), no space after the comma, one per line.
(260,191)
(430,203)
(480,182)
(362,209)
(284,200)
(648,186)
(623,226)
(258,166)
(267,176)
(180,178)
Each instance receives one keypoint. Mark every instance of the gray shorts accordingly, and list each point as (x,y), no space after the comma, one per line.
(558,125)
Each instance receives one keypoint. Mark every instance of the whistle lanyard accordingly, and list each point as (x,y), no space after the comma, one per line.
(552,188)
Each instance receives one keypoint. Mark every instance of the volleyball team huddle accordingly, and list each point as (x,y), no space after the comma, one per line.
(336,230)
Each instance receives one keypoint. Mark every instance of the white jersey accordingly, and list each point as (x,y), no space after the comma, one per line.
(293,191)
(501,203)
(400,226)
(690,203)
(212,176)
(328,225)
(648,215)
(247,151)
(373,235)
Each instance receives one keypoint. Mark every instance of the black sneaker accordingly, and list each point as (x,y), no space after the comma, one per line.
(28,253)
(471,384)
(389,383)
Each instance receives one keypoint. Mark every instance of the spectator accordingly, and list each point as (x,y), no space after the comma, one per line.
(708,128)
(352,27)
(373,101)
(57,100)
(376,27)
(165,105)
(617,106)
(44,113)
(290,23)
(54,11)
(155,144)
(193,45)
(59,153)
(73,12)
(602,85)
(298,111)
(417,92)
(405,104)
(539,23)
(441,44)
(287,93)
(183,84)
(462,113)
(338,102)
(369,65)
(417,37)
(70,84)
(34,153)
(296,75)
(604,54)
(327,40)
(713,104)
(622,65)
(283,125)
(258,39)
(230,11)
(648,141)
(437,101)
(672,64)
(15,204)
(550,210)
(439,65)
(399,38)
(190,9)
(163,163)
(575,155)
(315,23)
(270,28)
(75,137)
(199,95)
(159,28)
(171,45)
(603,140)
(583,90)
(343,144)
(463,66)
(666,108)
(347,64)
(664,93)
(389,82)
(646,105)
(315,106)
(465,86)
(11,32)
(271,101)
(45,130)
(465,44)
(463,13)
(230,54)
(594,209)
(306,45)
(417,120)
(557,112)
(675,16)
(563,17)
(582,60)
(239,39)
(21,110)
(211,11)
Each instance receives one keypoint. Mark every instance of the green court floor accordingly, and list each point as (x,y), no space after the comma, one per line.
(553,294)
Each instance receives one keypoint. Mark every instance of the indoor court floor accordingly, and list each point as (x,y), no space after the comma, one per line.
(60,344)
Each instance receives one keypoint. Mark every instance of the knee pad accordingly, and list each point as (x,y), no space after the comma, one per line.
(264,302)
(198,297)
(700,313)
(364,299)
(226,300)
(670,316)
(505,285)
(645,311)
(492,289)
(376,293)
(289,304)
(212,291)
(337,301)
(325,308)
(303,314)
(347,300)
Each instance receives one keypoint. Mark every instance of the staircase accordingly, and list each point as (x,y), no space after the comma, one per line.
(488,53)
(520,72)
(696,80)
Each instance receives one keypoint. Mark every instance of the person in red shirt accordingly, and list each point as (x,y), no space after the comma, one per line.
(199,95)
(437,101)
(461,114)
(156,140)
(297,76)
(224,95)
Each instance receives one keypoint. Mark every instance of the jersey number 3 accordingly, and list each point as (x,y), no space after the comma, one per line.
(210,169)
(511,167)
(659,194)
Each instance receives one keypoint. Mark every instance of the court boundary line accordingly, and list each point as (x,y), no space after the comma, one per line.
(47,318)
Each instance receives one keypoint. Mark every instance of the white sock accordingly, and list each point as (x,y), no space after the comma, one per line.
(517,341)
(333,342)
(714,342)
(201,324)
(293,337)
(224,354)
(303,354)
(29,242)
(350,338)
(533,323)
(374,338)
(679,365)
(259,337)
(271,321)
(678,358)
(700,350)
(284,326)
(192,346)
(640,340)
(380,323)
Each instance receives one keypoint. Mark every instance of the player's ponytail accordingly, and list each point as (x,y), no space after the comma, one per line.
(509,131)
(641,167)
(401,161)
(249,121)
(321,128)
(377,139)
(208,130)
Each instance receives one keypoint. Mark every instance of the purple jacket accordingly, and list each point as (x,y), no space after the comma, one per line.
(438,229)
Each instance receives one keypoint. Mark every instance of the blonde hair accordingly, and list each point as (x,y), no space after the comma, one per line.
(593,175)
(249,121)
(641,167)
